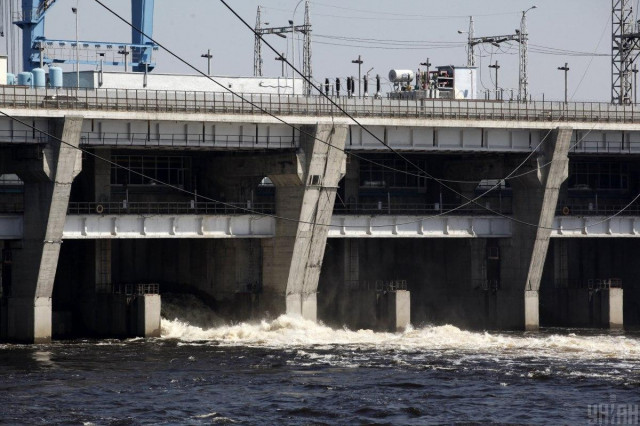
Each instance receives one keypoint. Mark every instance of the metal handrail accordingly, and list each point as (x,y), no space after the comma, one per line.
(599,210)
(382,208)
(284,104)
(169,208)
(187,140)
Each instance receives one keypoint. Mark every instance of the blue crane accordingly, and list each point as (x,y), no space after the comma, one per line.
(38,50)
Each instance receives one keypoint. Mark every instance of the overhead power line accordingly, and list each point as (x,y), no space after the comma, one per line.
(352,118)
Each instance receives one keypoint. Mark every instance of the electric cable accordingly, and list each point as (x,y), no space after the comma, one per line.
(341,109)
(444,185)
(440,182)
(274,216)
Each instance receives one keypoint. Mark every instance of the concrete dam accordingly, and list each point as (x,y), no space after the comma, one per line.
(496,215)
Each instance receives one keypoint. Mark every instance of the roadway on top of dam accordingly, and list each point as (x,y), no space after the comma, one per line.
(127,104)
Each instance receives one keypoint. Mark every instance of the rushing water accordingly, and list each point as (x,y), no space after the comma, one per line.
(293,371)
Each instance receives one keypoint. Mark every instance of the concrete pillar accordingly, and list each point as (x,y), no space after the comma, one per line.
(531,310)
(394,310)
(47,188)
(147,308)
(304,201)
(535,200)
(612,308)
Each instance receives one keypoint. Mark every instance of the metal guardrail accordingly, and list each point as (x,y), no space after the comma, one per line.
(22,136)
(169,208)
(599,210)
(592,284)
(378,286)
(604,284)
(187,140)
(227,103)
(409,209)
(128,289)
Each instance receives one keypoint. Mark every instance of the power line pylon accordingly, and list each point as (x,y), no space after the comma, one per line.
(257,49)
(306,66)
(624,51)
(304,29)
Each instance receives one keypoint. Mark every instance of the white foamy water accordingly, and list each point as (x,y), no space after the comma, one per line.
(287,331)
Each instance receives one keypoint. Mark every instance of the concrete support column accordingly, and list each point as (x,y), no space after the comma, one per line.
(531,310)
(612,315)
(394,310)
(147,309)
(47,188)
(304,201)
(535,201)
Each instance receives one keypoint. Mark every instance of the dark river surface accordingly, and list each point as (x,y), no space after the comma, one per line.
(290,371)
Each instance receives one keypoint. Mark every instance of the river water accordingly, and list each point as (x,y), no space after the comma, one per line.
(291,371)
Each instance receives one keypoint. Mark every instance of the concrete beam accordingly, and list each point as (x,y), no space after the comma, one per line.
(207,117)
(47,190)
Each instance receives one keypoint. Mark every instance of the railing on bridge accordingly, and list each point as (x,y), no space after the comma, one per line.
(187,140)
(227,103)
(598,210)
(378,286)
(412,209)
(22,136)
(209,208)
(128,289)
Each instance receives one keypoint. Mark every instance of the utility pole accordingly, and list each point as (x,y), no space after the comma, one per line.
(428,65)
(566,72)
(208,55)
(359,61)
(496,67)
(124,52)
(471,57)
(523,83)
(282,60)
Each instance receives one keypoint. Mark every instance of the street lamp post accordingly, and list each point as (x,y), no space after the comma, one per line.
(208,55)
(75,12)
(566,72)
(496,67)
(359,61)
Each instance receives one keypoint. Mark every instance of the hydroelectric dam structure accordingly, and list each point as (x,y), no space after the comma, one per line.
(119,187)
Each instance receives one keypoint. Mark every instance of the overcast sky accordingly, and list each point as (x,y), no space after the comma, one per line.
(388,34)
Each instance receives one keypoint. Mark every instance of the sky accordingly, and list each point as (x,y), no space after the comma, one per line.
(396,34)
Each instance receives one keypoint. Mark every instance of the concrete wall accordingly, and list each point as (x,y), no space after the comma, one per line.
(195,83)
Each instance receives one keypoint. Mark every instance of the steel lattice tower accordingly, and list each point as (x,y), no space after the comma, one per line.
(306,66)
(624,51)
(257,50)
